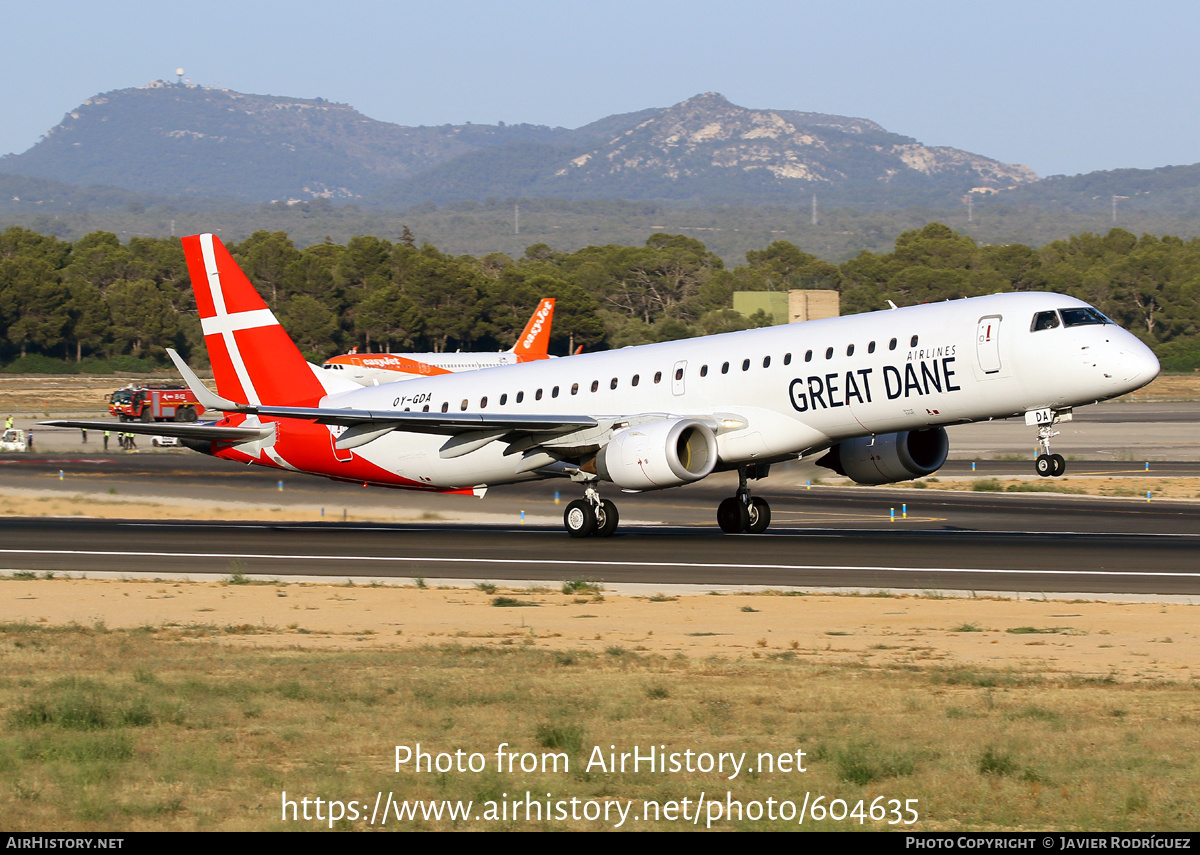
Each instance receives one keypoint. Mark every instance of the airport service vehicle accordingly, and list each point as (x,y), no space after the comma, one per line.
(371,369)
(13,439)
(871,393)
(155,403)
(164,441)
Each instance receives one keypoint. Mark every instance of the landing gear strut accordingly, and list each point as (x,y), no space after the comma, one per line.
(591,515)
(1048,465)
(741,512)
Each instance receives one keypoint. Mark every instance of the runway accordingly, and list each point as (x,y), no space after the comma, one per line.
(823,537)
(820,536)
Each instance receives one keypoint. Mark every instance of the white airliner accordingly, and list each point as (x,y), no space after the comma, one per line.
(371,369)
(872,392)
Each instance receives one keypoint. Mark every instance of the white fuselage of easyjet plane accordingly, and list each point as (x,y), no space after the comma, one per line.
(372,369)
(777,393)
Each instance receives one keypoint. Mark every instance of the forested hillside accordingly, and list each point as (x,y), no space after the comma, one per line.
(97,303)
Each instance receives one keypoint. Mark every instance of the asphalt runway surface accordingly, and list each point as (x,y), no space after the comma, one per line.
(823,537)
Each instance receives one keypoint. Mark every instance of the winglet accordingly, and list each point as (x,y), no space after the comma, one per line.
(210,400)
(534,342)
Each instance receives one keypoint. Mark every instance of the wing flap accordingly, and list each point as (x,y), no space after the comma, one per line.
(437,423)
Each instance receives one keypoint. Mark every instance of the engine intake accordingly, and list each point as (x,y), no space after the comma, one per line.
(891,457)
(659,454)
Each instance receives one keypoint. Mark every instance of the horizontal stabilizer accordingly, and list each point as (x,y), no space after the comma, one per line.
(204,432)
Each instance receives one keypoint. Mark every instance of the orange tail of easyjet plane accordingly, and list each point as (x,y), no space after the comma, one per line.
(534,342)
(253,359)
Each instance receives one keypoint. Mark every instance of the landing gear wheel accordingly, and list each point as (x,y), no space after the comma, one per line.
(1060,464)
(759,514)
(579,518)
(606,519)
(1045,465)
(732,515)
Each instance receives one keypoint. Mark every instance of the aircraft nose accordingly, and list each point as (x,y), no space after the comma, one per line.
(1138,362)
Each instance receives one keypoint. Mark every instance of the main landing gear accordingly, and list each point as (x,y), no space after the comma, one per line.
(741,512)
(1048,465)
(591,515)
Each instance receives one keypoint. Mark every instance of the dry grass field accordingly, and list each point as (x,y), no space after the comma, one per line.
(175,705)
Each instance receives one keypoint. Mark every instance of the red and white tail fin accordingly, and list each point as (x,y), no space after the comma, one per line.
(253,359)
(534,342)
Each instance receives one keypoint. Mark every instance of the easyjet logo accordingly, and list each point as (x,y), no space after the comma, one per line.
(536,329)
(381,361)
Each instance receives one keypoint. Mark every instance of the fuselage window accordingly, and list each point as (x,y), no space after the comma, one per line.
(725,368)
(574,388)
(678,375)
(637,378)
(595,385)
(483,402)
(464,405)
(871,347)
(787,359)
(538,395)
(1044,321)
(504,399)
(520,397)
(612,384)
(766,362)
(829,353)
(745,364)
(446,407)
(425,409)
(913,343)
(554,392)
(892,344)
(703,370)
(808,356)
(850,350)
(657,376)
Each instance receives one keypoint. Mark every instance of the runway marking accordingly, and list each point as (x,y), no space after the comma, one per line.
(580,563)
(801,516)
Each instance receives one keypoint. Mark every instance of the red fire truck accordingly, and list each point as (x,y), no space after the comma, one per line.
(155,402)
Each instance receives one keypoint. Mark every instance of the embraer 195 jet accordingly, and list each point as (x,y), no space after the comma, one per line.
(371,369)
(874,392)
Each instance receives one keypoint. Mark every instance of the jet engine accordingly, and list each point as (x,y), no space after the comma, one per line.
(889,457)
(664,453)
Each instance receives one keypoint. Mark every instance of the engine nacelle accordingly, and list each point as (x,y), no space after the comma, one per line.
(890,457)
(664,453)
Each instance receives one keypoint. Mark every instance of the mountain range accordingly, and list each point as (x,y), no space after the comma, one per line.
(172,139)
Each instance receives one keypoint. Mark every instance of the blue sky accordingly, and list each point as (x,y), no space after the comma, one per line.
(1062,87)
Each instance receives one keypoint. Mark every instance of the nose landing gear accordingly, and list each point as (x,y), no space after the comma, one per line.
(1049,465)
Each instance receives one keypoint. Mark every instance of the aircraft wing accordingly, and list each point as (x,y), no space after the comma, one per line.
(467,431)
(439,423)
(204,432)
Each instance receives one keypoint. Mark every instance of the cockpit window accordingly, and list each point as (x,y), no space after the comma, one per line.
(1044,321)
(1082,317)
